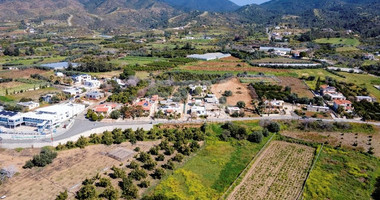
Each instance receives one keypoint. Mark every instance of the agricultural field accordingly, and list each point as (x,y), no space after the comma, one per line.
(278,173)
(31,60)
(132,60)
(297,85)
(278,60)
(63,173)
(343,41)
(342,175)
(239,90)
(212,170)
(21,73)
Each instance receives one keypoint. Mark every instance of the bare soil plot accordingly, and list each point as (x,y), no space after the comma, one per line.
(347,140)
(67,171)
(231,58)
(239,90)
(278,173)
(297,86)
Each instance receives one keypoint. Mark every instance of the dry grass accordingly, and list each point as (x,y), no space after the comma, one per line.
(297,86)
(20,73)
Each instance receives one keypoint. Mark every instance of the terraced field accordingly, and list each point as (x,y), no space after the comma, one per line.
(278,173)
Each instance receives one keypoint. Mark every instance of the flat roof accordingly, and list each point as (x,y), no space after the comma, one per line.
(209,56)
(5,113)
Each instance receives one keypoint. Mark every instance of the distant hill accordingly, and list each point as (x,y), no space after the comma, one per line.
(204,5)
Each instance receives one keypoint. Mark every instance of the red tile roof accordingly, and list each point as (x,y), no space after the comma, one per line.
(340,102)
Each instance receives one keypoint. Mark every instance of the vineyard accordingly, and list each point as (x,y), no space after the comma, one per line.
(278,173)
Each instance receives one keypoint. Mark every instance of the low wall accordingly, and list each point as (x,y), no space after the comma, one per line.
(38,144)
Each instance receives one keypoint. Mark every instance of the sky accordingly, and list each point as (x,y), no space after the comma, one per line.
(245,2)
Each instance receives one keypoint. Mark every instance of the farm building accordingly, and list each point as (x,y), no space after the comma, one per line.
(209,56)
(347,105)
(231,110)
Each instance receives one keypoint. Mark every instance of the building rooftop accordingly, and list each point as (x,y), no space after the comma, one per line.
(341,102)
(209,56)
(5,113)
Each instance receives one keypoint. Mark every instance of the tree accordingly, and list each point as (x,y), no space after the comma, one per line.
(118,173)
(178,157)
(255,137)
(318,84)
(115,114)
(303,54)
(110,193)
(158,173)
(160,157)
(274,127)
(104,182)
(144,184)
(265,132)
(62,196)
(127,73)
(222,100)
(133,165)
(227,93)
(129,191)
(138,174)
(94,116)
(81,142)
(198,91)
(107,138)
(150,164)
(376,193)
(143,157)
(86,192)
(118,136)
(240,104)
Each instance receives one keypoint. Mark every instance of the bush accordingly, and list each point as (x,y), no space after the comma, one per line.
(227,93)
(115,114)
(129,191)
(240,104)
(169,165)
(118,173)
(138,174)
(45,157)
(104,182)
(265,132)
(274,127)
(133,165)
(178,157)
(223,100)
(160,157)
(86,192)
(255,137)
(158,173)
(62,196)
(144,184)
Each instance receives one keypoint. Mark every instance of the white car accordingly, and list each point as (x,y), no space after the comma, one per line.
(3,197)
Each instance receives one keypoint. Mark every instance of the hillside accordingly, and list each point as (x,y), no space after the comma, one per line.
(204,5)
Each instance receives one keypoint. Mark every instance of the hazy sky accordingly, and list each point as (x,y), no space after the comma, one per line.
(244,2)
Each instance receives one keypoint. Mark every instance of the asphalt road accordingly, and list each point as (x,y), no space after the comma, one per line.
(82,125)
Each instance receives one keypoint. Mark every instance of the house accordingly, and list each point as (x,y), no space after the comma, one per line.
(279,53)
(103,109)
(369,56)
(326,89)
(276,104)
(172,107)
(47,98)
(312,108)
(94,95)
(266,49)
(232,110)
(92,84)
(366,98)
(336,96)
(199,110)
(59,74)
(146,105)
(72,91)
(29,105)
(211,98)
(81,78)
(347,105)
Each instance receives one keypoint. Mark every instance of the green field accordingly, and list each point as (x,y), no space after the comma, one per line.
(345,41)
(342,175)
(209,173)
(30,60)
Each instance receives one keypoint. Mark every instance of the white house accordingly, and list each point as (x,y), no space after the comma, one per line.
(336,96)
(211,98)
(92,84)
(231,110)
(59,74)
(199,110)
(29,105)
(81,78)
(72,91)
(94,95)
(312,108)
(366,98)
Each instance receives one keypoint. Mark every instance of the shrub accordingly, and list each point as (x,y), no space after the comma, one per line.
(104,182)
(86,192)
(160,157)
(62,196)
(240,104)
(227,93)
(138,174)
(178,157)
(133,165)
(144,184)
(115,114)
(45,157)
(265,132)
(255,137)
(274,127)
(158,173)
(118,173)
